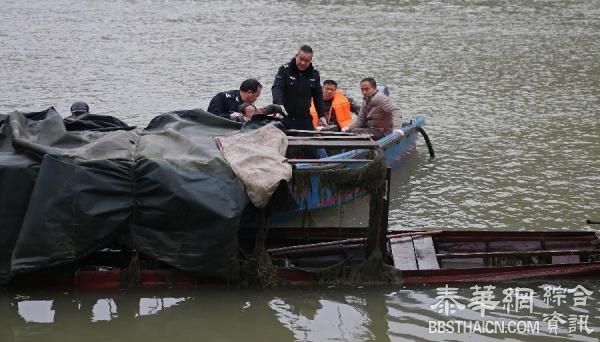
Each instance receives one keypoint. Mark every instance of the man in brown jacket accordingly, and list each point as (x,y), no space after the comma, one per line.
(377,114)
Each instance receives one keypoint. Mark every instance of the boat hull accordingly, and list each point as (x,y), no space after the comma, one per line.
(396,149)
(477,256)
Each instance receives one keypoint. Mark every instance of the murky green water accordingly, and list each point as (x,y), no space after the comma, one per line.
(308,314)
(510,90)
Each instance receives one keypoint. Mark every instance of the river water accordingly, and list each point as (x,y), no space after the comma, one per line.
(510,91)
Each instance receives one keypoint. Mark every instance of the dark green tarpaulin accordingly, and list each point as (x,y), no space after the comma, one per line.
(165,191)
(95,122)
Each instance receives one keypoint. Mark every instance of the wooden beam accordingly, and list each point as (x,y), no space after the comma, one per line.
(332,161)
(297,132)
(478,238)
(332,137)
(352,240)
(504,253)
(353,144)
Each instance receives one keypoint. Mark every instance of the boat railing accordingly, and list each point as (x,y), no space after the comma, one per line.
(357,147)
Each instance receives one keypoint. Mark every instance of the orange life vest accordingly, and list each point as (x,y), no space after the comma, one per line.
(340,105)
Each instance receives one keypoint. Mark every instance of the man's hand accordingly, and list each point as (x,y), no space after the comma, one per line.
(399,131)
(234,115)
(322,122)
(345,129)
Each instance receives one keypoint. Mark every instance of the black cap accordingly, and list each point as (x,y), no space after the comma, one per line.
(80,108)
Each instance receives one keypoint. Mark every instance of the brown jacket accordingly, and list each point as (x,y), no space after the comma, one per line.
(378,112)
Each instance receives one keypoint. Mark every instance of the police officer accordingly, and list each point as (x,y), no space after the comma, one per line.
(227,103)
(295,84)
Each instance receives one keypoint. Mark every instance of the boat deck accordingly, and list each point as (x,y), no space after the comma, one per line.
(414,253)
(459,256)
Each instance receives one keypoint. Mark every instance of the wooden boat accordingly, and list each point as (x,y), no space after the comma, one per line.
(413,257)
(438,257)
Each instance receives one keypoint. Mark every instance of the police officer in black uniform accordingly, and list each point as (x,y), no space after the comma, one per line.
(295,84)
(227,103)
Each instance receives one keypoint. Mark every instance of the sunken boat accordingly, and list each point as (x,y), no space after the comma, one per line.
(189,200)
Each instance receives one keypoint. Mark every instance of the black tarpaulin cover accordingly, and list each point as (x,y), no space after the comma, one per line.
(95,122)
(17,178)
(166,191)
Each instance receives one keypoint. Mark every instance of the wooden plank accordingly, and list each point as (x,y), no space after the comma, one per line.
(331,137)
(403,253)
(542,252)
(329,161)
(462,263)
(502,245)
(460,247)
(565,244)
(565,259)
(425,252)
(454,236)
(365,144)
(298,132)
(498,274)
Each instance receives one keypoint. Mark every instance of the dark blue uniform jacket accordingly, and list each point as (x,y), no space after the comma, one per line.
(294,89)
(225,103)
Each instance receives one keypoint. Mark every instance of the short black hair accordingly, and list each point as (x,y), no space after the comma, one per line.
(250,84)
(244,105)
(371,80)
(306,49)
(330,82)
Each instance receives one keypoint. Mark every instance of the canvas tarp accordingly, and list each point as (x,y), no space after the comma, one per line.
(267,144)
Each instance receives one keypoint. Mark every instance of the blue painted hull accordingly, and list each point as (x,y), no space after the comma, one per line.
(396,148)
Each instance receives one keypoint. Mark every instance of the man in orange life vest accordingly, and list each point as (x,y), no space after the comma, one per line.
(338,108)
